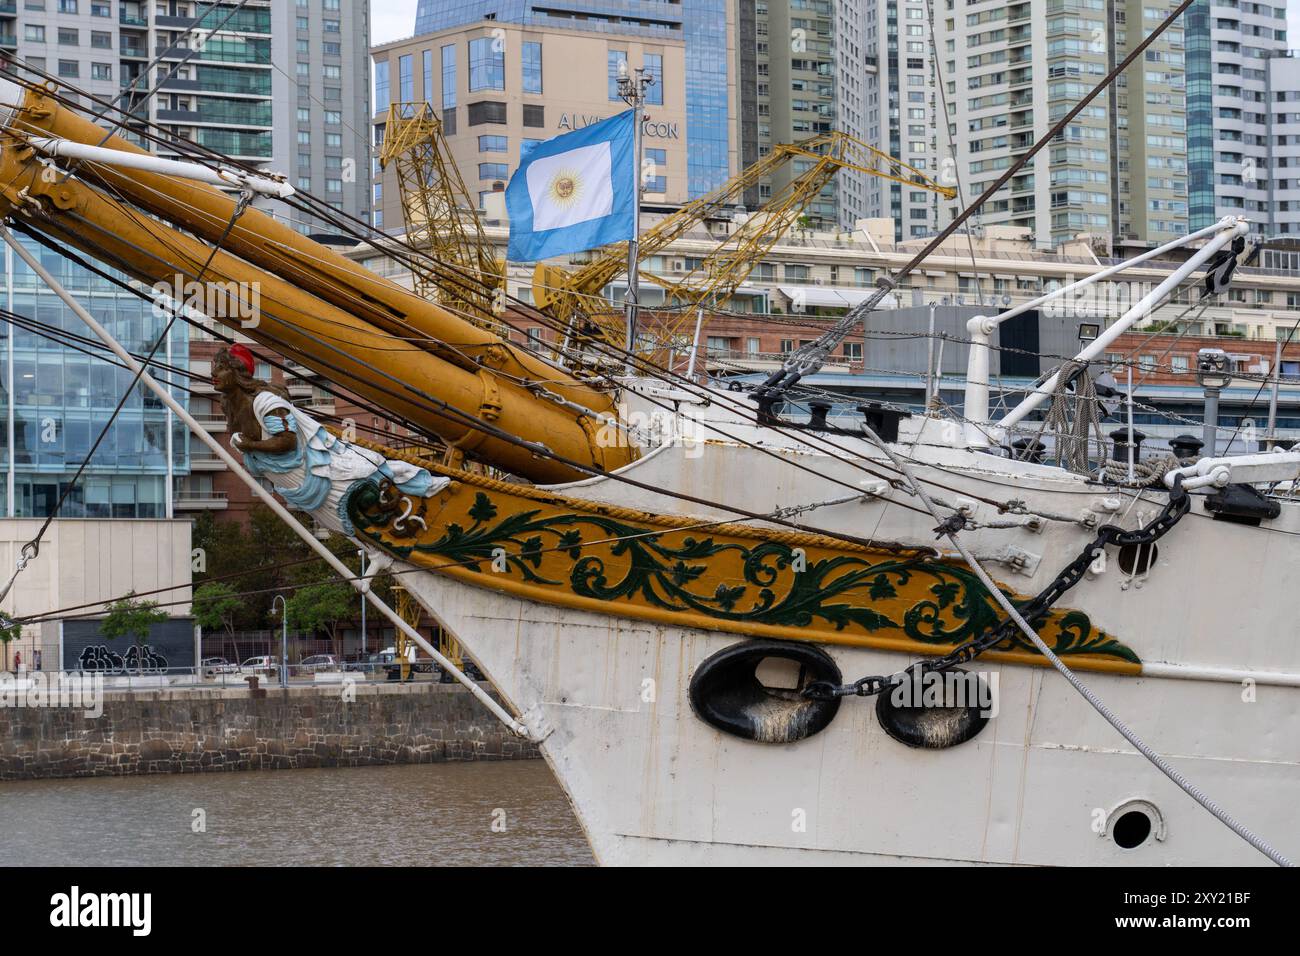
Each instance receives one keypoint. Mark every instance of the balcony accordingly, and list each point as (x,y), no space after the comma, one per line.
(212,423)
(200,501)
(205,461)
(131,20)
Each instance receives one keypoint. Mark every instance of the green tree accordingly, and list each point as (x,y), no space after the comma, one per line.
(324,606)
(10,630)
(131,618)
(215,605)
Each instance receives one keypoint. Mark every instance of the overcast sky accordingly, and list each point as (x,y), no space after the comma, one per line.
(395,19)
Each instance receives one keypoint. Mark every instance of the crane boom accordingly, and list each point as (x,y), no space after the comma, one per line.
(718,277)
(438,213)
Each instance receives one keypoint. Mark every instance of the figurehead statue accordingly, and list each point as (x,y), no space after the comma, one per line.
(232,375)
(311,468)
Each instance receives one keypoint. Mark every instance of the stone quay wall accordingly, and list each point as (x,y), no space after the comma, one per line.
(200,730)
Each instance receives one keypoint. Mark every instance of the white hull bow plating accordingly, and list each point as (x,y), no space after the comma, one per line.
(1047,779)
(652,784)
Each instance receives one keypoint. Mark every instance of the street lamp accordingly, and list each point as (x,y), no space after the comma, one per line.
(1214,373)
(284,637)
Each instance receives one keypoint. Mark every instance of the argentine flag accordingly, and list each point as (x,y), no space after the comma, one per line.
(573,192)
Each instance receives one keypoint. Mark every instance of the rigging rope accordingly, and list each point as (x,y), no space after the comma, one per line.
(1142,747)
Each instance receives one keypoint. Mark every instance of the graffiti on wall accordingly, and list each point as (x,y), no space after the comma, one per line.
(137,660)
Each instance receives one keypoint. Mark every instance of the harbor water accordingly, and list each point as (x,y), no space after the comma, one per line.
(446,814)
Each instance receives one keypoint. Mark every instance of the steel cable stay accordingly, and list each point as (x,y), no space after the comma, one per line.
(806,360)
(1177,506)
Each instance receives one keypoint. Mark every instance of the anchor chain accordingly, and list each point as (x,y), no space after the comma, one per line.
(1178,505)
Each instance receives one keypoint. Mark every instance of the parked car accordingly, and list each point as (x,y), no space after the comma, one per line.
(263,666)
(212,666)
(319,662)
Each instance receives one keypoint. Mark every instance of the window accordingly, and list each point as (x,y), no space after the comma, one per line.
(534,116)
(333,140)
(493,171)
(69,68)
(101,71)
(616,61)
(382,96)
(33,33)
(100,40)
(480,113)
(333,118)
(487,65)
(448,77)
(427,62)
(654,66)
(405,78)
(1179,364)
(493,144)
(69,37)
(304,114)
(532,67)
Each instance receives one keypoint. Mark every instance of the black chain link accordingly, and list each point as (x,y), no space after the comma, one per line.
(1178,505)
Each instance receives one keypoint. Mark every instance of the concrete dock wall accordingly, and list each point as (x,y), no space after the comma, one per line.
(201,730)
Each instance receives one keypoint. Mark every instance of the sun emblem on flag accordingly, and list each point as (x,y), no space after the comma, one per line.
(565,187)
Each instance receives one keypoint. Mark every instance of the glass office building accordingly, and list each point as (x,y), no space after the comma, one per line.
(702,24)
(59,394)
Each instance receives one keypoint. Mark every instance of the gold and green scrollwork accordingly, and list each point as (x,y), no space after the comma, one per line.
(569,555)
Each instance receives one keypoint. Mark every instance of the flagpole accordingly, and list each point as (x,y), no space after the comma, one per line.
(632,88)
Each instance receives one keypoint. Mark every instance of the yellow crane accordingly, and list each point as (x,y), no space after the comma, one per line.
(568,296)
(720,274)
(439,215)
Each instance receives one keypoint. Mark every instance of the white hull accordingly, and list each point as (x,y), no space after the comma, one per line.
(653,784)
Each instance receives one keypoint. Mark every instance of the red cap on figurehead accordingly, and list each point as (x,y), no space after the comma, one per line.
(242,354)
